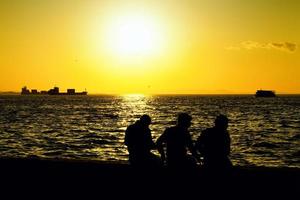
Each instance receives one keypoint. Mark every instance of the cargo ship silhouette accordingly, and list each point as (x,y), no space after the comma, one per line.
(265,93)
(53,91)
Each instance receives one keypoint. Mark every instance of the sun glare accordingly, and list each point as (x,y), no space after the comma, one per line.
(134,36)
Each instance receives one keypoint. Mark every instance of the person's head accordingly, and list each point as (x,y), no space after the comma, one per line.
(145,120)
(221,122)
(184,120)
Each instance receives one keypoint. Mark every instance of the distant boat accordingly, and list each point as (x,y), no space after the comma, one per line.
(54,91)
(265,93)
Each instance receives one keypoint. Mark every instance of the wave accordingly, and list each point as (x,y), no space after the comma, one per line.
(265,144)
(70,126)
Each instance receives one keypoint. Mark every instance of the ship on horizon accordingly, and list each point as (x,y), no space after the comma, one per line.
(53,91)
(265,93)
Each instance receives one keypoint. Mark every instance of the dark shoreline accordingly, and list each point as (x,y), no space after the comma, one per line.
(44,174)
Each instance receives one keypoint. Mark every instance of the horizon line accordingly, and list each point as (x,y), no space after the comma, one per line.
(157,94)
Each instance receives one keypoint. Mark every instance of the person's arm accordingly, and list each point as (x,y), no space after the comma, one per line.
(126,137)
(150,142)
(160,147)
(191,146)
(228,141)
(200,144)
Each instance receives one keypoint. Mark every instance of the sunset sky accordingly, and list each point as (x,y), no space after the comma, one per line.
(151,47)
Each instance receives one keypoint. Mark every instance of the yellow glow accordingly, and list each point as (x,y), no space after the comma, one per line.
(150,47)
(133,96)
(133,35)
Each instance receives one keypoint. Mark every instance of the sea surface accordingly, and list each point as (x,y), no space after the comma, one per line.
(264,131)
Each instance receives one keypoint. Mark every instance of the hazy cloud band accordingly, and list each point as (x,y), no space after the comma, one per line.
(249,45)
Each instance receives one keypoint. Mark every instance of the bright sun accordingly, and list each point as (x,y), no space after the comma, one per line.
(134,36)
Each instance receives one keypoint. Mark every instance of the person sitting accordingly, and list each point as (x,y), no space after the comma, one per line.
(139,143)
(214,145)
(177,140)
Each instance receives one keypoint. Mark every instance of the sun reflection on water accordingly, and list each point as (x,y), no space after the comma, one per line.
(94,127)
(134,105)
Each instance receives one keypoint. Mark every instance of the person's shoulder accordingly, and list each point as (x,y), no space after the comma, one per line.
(165,134)
(207,131)
(171,129)
(132,126)
(168,130)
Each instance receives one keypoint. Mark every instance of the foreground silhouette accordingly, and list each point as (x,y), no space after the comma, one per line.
(177,140)
(44,177)
(214,145)
(139,143)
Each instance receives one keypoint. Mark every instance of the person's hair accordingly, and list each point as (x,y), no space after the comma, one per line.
(221,119)
(145,119)
(183,118)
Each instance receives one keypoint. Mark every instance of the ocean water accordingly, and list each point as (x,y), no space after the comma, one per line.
(264,131)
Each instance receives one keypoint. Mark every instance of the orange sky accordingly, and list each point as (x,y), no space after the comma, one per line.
(151,47)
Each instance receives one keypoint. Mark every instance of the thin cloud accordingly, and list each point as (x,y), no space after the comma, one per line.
(250,45)
(285,46)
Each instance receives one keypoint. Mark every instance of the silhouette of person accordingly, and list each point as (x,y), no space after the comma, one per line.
(139,143)
(214,145)
(177,140)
